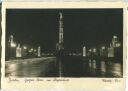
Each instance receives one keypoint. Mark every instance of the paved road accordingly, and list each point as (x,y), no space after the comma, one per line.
(35,67)
(63,67)
(80,67)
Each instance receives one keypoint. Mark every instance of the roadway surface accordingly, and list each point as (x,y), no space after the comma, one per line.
(62,67)
(35,67)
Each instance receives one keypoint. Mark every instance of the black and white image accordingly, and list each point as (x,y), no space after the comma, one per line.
(64,42)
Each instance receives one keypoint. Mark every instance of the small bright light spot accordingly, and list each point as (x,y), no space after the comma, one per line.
(12,67)
(13,45)
(25,47)
(118,45)
(89,50)
(94,49)
(103,47)
(31,49)
(34,50)
(114,36)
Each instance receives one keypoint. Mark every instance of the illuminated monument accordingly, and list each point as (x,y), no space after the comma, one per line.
(60,44)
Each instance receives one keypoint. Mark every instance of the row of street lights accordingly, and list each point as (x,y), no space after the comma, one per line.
(18,51)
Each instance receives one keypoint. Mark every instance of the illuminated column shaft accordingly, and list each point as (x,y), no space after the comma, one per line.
(84,51)
(61,29)
(11,39)
(39,52)
(18,51)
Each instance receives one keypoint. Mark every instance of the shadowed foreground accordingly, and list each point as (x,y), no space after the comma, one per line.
(62,67)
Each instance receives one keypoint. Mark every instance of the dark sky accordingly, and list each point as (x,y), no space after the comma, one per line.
(89,26)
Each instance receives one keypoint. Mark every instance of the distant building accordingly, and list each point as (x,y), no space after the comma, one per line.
(114,41)
(115,48)
(12,47)
(103,51)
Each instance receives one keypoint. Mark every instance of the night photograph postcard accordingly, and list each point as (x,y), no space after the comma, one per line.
(64,42)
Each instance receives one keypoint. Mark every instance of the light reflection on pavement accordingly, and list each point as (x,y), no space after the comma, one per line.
(65,67)
(29,67)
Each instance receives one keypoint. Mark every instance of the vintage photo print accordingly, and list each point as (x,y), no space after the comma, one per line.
(63,42)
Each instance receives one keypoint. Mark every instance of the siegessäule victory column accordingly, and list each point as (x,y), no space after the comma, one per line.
(60,46)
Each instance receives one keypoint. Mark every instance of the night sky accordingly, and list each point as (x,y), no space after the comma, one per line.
(81,26)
